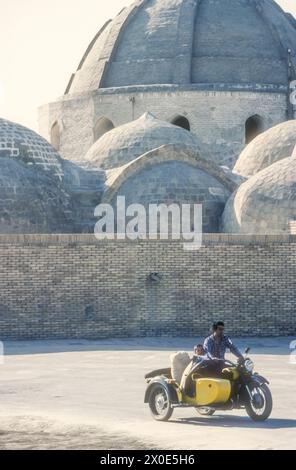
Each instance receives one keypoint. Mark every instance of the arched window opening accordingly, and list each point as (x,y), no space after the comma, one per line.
(102,126)
(55,137)
(253,127)
(181,121)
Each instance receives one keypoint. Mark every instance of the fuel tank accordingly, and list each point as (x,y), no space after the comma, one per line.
(212,391)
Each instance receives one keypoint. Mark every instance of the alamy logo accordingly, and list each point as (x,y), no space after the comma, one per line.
(136,222)
(293,353)
(293,93)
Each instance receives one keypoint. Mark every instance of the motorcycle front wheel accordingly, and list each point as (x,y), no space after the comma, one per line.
(260,408)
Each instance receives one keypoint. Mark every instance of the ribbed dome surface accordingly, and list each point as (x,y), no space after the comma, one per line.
(190,42)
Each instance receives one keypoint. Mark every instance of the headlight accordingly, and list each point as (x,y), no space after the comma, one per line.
(249,365)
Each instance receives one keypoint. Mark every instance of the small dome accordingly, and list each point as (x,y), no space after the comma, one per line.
(128,142)
(31,202)
(265,203)
(273,145)
(22,144)
(172,174)
(33,199)
(185,42)
(178,183)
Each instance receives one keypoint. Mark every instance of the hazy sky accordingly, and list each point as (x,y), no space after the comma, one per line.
(41,44)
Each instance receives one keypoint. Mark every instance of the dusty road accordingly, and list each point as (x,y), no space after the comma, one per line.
(82,394)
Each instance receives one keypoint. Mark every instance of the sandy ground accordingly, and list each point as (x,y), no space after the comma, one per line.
(89,395)
(35,433)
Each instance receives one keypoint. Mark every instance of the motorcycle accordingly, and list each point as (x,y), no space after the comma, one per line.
(235,386)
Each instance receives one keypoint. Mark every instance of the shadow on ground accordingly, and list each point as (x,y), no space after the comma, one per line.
(223,421)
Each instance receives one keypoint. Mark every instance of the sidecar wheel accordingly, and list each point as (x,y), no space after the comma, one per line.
(205,411)
(261,411)
(160,404)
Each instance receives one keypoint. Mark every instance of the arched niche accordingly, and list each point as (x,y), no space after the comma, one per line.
(102,126)
(55,136)
(253,127)
(181,121)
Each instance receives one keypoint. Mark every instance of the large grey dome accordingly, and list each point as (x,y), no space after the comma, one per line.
(190,42)
(266,203)
(125,143)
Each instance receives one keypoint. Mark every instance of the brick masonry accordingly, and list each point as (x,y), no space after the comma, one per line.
(217,118)
(73,286)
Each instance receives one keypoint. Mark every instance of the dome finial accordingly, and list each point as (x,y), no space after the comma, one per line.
(148,115)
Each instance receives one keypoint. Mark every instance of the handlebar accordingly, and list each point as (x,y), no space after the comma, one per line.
(231,364)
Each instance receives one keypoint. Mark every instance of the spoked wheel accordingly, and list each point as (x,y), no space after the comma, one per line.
(160,404)
(205,411)
(260,408)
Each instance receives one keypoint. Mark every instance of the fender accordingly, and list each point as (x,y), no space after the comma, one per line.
(158,373)
(255,380)
(259,380)
(169,388)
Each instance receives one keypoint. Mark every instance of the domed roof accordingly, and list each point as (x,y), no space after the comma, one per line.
(273,145)
(31,202)
(264,204)
(178,183)
(172,174)
(128,142)
(22,144)
(33,199)
(189,42)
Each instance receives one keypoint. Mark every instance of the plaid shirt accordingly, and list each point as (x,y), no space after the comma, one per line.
(215,350)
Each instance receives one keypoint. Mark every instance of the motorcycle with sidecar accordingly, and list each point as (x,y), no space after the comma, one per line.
(234,386)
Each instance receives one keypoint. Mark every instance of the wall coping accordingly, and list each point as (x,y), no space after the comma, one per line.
(280,90)
(89,239)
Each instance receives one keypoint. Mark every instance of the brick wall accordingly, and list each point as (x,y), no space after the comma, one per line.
(217,118)
(72,286)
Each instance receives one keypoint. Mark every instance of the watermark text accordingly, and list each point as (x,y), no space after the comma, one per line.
(159,221)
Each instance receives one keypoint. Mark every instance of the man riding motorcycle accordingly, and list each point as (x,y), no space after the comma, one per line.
(215,346)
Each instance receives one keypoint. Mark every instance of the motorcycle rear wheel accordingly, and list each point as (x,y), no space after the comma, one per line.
(205,411)
(263,413)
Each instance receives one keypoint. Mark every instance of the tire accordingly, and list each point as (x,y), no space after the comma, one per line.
(205,411)
(160,404)
(263,413)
